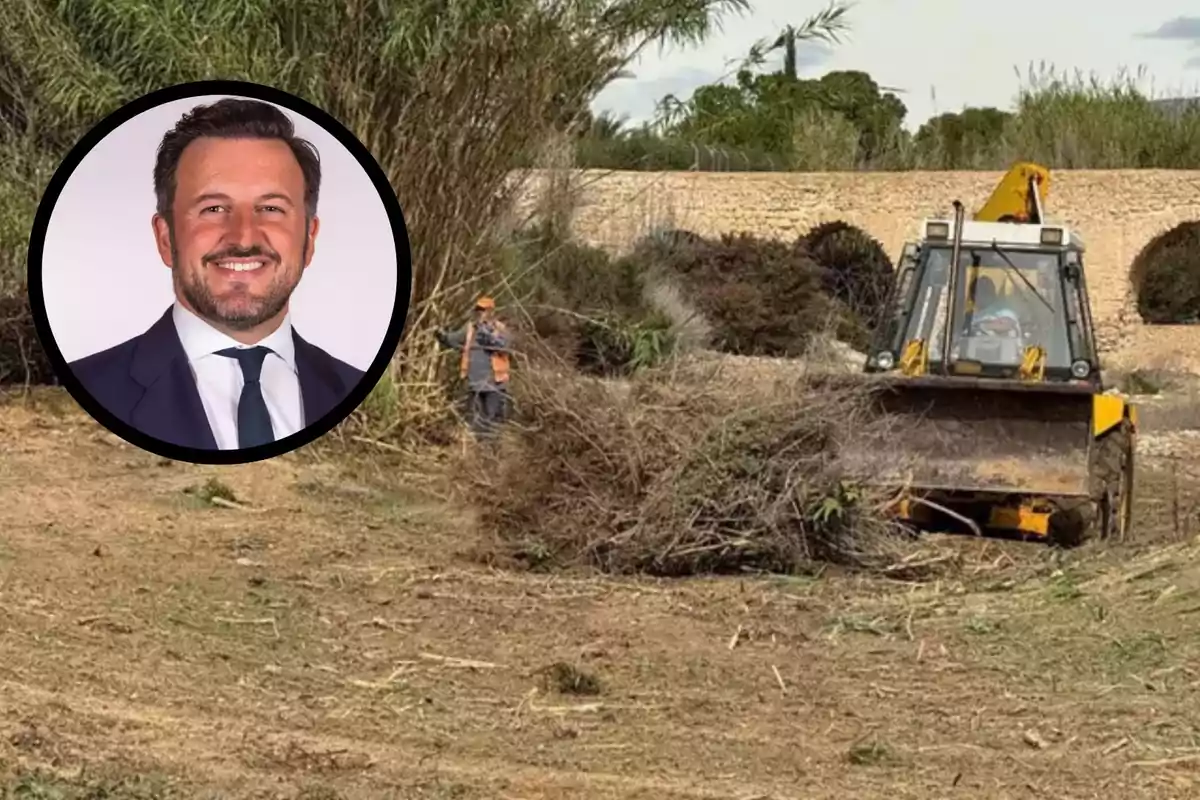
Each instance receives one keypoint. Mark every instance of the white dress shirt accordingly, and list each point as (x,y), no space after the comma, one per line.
(219,378)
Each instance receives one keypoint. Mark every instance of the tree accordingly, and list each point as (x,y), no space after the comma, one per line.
(878,115)
(759,112)
(604,126)
(762,112)
(825,26)
(752,114)
(957,140)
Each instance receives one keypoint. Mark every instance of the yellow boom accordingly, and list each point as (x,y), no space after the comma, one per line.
(1019,197)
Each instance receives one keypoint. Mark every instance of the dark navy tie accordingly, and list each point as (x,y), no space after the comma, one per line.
(253,420)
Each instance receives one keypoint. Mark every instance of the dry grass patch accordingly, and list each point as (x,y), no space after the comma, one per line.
(109,785)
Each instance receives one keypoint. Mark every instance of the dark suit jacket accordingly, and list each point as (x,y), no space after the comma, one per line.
(147,383)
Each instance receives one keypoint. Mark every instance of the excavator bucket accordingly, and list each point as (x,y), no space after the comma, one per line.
(966,435)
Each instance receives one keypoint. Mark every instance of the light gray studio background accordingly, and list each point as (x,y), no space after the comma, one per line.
(104,282)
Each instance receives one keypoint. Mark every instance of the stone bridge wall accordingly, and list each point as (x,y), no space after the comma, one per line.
(1116,212)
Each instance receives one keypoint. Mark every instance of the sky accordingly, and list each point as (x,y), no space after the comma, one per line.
(943,54)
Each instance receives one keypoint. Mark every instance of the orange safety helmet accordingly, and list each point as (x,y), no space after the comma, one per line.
(485,302)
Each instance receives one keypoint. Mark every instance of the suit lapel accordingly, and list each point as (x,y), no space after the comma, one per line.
(170,408)
(320,386)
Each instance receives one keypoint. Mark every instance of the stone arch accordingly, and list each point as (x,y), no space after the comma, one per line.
(859,271)
(1165,277)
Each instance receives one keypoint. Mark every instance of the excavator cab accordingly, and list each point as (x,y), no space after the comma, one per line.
(998,303)
(988,372)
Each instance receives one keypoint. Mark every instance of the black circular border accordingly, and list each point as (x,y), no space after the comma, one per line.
(391,340)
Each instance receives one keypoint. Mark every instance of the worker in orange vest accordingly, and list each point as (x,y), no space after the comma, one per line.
(484,364)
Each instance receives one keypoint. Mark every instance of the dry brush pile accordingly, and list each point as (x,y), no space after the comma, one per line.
(690,465)
(679,471)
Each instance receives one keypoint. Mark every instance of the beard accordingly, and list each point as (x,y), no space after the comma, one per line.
(238,310)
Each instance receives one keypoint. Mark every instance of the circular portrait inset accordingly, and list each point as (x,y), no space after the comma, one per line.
(219,272)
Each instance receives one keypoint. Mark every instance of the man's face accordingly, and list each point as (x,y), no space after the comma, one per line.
(239,241)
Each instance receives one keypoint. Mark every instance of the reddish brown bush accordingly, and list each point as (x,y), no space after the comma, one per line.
(858,271)
(1166,277)
(762,297)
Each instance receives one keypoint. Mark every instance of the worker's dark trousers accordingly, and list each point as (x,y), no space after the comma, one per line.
(487,411)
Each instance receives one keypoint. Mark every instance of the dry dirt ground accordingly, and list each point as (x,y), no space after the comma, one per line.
(331,635)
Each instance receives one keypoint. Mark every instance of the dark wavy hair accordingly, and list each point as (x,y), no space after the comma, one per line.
(234,118)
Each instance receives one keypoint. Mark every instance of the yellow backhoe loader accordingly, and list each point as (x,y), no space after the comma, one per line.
(989,377)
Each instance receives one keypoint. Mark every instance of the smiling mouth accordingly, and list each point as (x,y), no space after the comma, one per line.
(240,264)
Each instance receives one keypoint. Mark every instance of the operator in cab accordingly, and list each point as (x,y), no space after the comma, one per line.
(991,313)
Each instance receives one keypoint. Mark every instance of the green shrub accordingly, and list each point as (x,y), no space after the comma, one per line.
(641,150)
(623,346)
(669,239)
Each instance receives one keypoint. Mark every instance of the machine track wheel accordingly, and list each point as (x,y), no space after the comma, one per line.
(1108,513)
